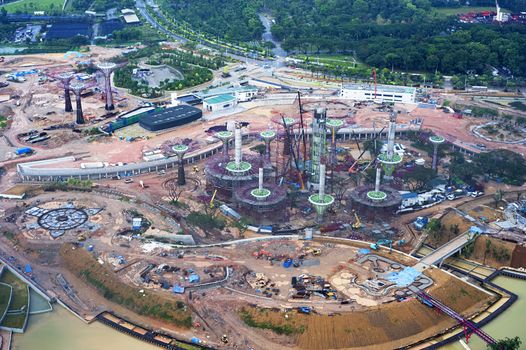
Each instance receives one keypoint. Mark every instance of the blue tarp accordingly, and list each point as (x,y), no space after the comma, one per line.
(475,230)
(194,278)
(363,251)
(409,195)
(178,289)
(403,278)
(28,269)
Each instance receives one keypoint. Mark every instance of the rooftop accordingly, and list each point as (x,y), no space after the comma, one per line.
(131,18)
(381,88)
(164,115)
(219,99)
(226,90)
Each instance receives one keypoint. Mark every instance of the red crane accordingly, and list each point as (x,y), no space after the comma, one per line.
(375,84)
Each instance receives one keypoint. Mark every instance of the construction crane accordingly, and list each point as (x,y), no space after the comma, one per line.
(212,200)
(352,169)
(302,131)
(300,176)
(375,85)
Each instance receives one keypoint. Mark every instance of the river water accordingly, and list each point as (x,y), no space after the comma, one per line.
(509,324)
(60,330)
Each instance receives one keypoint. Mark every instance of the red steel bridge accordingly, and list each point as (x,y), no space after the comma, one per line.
(469,327)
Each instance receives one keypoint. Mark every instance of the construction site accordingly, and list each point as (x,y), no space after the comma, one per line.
(292,220)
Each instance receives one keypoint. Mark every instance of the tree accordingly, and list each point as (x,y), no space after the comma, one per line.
(418,178)
(433,228)
(497,197)
(487,250)
(506,344)
(174,190)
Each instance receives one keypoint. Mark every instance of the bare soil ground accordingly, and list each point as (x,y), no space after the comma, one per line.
(385,327)
(518,258)
(498,248)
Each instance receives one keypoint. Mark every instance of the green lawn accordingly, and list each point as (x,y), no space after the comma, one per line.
(14,321)
(5,294)
(449,11)
(20,292)
(3,122)
(340,60)
(30,6)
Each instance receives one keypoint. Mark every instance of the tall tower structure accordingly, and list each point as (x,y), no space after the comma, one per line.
(106,68)
(334,125)
(225,137)
(377,195)
(238,166)
(390,159)
(180,150)
(268,136)
(321,201)
(77,88)
(318,143)
(436,141)
(64,82)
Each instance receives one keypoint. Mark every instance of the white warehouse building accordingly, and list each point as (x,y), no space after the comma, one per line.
(384,93)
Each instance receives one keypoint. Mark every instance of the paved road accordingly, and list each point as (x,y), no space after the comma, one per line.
(141,6)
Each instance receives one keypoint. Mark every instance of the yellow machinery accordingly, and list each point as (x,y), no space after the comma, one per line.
(357,222)
(81,238)
(212,200)
(196,169)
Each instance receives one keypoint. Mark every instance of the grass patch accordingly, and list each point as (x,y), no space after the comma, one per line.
(518,105)
(5,294)
(205,221)
(30,6)
(82,264)
(286,329)
(451,11)
(3,122)
(14,321)
(20,292)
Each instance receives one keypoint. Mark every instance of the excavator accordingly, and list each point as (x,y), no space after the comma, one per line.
(376,246)
(357,224)
(212,200)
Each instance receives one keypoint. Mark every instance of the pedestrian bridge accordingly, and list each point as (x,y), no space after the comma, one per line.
(448,249)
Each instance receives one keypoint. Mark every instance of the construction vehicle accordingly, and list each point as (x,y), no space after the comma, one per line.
(376,246)
(196,169)
(421,222)
(81,238)
(212,200)
(224,338)
(304,310)
(357,224)
(141,183)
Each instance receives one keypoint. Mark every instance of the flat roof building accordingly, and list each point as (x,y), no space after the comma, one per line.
(220,102)
(166,118)
(241,93)
(384,93)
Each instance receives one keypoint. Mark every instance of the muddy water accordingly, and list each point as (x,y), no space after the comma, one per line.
(60,330)
(509,324)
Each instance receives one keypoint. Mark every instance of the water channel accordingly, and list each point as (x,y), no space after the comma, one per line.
(509,324)
(60,330)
